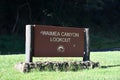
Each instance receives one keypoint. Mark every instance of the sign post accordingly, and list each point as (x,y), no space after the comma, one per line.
(54,41)
(87,46)
(28,44)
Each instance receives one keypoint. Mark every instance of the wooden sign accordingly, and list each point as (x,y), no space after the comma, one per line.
(54,41)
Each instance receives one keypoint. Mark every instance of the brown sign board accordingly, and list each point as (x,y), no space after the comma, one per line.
(54,41)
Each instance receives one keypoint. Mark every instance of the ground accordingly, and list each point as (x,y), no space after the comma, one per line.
(109,70)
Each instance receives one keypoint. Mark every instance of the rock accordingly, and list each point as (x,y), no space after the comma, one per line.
(56,66)
(22,67)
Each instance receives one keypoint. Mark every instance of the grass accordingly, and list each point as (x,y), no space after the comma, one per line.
(110,62)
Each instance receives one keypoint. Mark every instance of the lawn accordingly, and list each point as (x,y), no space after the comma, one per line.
(109,70)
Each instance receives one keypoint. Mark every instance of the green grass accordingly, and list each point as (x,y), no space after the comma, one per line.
(110,61)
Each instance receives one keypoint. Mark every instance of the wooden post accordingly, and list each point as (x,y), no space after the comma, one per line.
(28,44)
(87,46)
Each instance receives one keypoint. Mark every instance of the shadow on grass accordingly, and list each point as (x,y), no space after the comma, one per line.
(110,66)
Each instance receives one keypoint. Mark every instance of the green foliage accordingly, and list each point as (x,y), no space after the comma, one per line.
(16,14)
(109,70)
(101,16)
(11,43)
(101,42)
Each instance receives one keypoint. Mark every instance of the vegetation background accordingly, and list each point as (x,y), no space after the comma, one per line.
(101,16)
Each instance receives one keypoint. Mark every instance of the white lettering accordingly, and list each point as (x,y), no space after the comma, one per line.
(62,34)
(57,39)
(67,34)
(56,36)
(50,33)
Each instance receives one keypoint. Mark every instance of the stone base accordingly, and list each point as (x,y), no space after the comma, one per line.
(56,66)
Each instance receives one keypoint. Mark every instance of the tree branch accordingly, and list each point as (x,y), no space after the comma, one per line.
(18,10)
